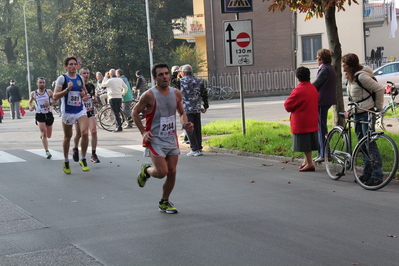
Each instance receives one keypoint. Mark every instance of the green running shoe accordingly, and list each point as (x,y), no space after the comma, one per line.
(143,176)
(167,207)
(66,168)
(84,166)
(48,155)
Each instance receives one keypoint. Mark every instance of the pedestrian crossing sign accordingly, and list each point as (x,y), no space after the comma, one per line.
(234,6)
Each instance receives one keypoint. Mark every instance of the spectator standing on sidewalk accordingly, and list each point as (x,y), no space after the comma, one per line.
(116,89)
(127,99)
(88,103)
(160,104)
(193,91)
(1,106)
(41,101)
(326,86)
(302,103)
(141,84)
(13,95)
(174,78)
(101,92)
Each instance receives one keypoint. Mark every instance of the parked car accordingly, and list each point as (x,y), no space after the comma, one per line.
(388,72)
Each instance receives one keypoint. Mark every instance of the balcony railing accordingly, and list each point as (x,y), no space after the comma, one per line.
(189,26)
(374,11)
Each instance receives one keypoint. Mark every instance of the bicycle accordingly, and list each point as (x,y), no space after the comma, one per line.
(221,92)
(107,117)
(365,156)
(392,106)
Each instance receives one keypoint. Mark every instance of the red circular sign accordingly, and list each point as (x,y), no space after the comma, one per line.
(243,39)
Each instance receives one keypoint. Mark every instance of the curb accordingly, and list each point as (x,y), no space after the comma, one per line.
(256,155)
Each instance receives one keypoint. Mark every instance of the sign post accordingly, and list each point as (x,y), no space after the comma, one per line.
(238,46)
(238,49)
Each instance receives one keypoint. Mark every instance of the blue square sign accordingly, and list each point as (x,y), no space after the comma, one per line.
(234,6)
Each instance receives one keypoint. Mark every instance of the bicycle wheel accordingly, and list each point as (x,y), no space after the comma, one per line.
(211,94)
(383,123)
(375,163)
(226,93)
(336,153)
(97,113)
(108,120)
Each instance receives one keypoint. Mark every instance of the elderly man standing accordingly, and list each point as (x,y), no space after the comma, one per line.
(116,89)
(14,97)
(193,90)
(127,99)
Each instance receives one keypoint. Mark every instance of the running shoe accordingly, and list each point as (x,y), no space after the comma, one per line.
(94,158)
(75,154)
(143,176)
(66,168)
(167,207)
(48,155)
(193,153)
(84,166)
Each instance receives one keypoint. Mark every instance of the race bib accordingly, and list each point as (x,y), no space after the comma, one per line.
(74,98)
(43,108)
(167,126)
(89,105)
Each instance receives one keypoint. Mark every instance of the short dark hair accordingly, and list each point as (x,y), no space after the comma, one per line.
(303,74)
(66,60)
(119,71)
(156,66)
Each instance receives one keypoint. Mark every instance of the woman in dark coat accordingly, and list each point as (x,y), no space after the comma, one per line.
(326,86)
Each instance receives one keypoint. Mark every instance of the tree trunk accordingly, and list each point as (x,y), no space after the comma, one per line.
(335,48)
(8,45)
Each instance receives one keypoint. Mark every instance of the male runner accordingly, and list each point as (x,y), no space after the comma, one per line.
(159,136)
(43,99)
(70,89)
(88,102)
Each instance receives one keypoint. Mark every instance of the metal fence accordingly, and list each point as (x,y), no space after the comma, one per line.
(256,84)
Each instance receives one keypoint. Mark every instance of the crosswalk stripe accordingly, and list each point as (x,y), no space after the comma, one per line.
(9,158)
(56,155)
(109,154)
(6,157)
(133,147)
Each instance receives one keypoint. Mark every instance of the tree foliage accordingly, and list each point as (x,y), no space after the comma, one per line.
(113,34)
(326,9)
(186,54)
(104,34)
(311,8)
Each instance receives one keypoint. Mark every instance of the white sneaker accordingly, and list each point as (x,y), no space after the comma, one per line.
(193,153)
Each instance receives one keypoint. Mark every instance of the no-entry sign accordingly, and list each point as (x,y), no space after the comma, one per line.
(243,39)
(238,43)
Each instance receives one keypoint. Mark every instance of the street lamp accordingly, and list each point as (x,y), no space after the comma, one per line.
(26,44)
(150,40)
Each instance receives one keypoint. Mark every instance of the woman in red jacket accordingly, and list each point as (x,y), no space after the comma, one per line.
(303,105)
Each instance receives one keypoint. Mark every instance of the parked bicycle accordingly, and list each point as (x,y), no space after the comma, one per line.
(391,108)
(374,152)
(220,92)
(107,119)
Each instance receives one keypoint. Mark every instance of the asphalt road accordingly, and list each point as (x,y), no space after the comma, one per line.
(102,217)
